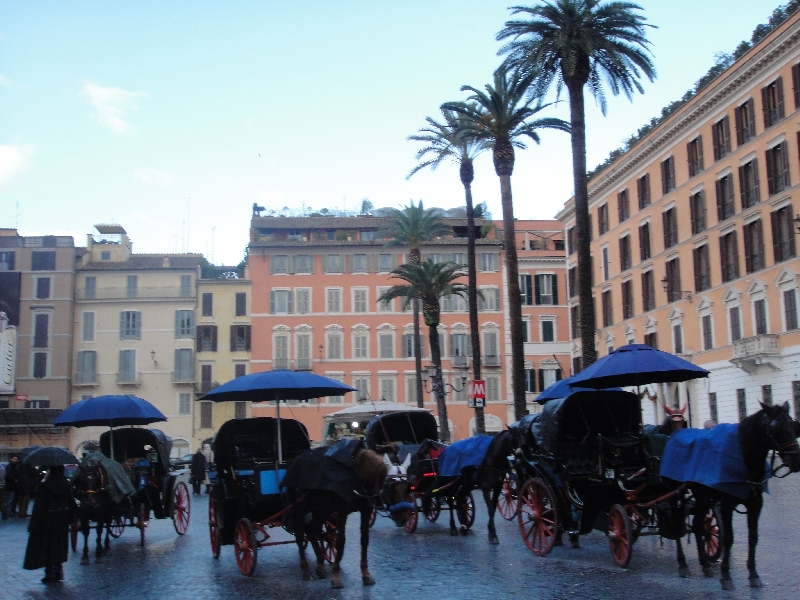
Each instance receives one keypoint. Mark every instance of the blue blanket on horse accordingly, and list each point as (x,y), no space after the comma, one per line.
(712,457)
(463,454)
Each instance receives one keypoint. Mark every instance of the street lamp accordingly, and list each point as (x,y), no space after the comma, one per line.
(686,295)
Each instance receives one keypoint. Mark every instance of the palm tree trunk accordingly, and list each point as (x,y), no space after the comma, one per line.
(514,300)
(438,387)
(584,235)
(472,294)
(415,258)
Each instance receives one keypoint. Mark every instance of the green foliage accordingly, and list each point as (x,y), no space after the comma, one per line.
(414,225)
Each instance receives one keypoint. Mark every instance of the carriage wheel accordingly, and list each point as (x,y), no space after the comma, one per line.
(465,509)
(327,538)
(413,517)
(431,508)
(144,515)
(213,526)
(245,546)
(74,531)
(373,516)
(537,516)
(507,500)
(181,508)
(712,534)
(620,535)
(117,526)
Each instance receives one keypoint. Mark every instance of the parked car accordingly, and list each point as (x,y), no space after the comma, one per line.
(182,462)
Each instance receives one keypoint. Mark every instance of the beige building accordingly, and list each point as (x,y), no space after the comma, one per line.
(134,330)
(694,238)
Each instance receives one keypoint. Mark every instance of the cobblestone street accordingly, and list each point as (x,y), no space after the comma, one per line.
(427,564)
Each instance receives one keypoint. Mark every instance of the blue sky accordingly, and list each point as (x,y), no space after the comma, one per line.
(173,118)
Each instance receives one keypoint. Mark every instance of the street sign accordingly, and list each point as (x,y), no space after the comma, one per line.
(22,397)
(476,393)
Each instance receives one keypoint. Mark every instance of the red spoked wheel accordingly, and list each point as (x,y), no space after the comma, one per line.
(412,517)
(213,527)
(507,501)
(74,531)
(245,546)
(181,508)
(431,508)
(373,516)
(117,526)
(537,516)
(144,516)
(327,538)
(712,534)
(465,509)
(620,535)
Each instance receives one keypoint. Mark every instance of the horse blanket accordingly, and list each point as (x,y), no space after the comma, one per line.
(463,454)
(119,486)
(712,457)
(327,468)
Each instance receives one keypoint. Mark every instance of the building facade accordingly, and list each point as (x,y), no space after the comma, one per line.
(693,239)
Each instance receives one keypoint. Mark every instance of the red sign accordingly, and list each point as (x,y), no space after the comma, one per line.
(476,393)
(22,397)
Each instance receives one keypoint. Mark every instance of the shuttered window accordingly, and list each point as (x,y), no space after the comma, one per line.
(624,253)
(694,151)
(702,268)
(130,325)
(627,299)
(184,365)
(302,303)
(206,338)
(280,302)
(725,204)
(708,332)
(772,102)
(333,346)
(753,246)
(673,280)
(790,309)
(729,257)
(736,323)
(643,190)
(241,304)
(546,289)
(697,210)
(667,175)
(623,205)
(648,291)
(644,242)
(88,326)
(240,338)
(778,168)
(333,302)
(526,289)
(748,183)
(721,138)
(760,312)
(670,222)
(608,310)
(783,246)
(602,219)
(184,323)
(745,122)
(208,305)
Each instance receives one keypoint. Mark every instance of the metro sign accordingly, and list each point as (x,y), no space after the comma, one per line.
(476,393)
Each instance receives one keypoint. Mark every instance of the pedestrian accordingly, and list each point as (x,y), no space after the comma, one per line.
(198,471)
(3,491)
(48,530)
(13,478)
(209,456)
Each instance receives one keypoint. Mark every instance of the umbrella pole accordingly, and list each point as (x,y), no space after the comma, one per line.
(278,413)
(111,441)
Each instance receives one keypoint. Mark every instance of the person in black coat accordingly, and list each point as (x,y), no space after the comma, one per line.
(48,530)
(13,480)
(198,469)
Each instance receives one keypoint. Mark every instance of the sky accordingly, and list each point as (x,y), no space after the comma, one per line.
(172,119)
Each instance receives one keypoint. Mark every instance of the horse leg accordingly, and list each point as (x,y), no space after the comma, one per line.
(300,538)
(491,505)
(99,541)
(727,541)
(753,513)
(451,502)
(366,577)
(341,520)
(702,506)
(683,568)
(85,532)
(107,544)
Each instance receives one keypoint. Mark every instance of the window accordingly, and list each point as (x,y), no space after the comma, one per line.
(42,288)
(361,383)
(450,303)
(279,264)
(186,286)
(331,234)
(367,236)
(546,289)
(492,388)
(729,257)
(388,391)
(208,305)
(37,404)
(295,235)
(384,305)
(280,302)
(643,190)
(741,403)
(604,257)
(783,234)
(105,255)
(127,366)
(766,394)
(131,287)
(335,399)
(707,332)
(670,222)
(130,325)
(721,138)
(333,302)
(572,281)
(725,205)
(206,377)
(526,327)
(240,338)
(623,206)
(575,318)
(303,263)
(648,292)
(745,122)
(748,181)
(333,263)
(241,304)
(702,268)
(712,407)
(760,314)
(6,260)
(667,175)
(359,263)
(206,415)
(491,352)
(88,327)
(526,289)
(602,219)
(490,300)
(624,253)
(86,371)
(778,168)
(360,300)
(43,260)
(41,333)
(184,323)
(571,241)
(40,365)
(644,242)
(239,369)
(548,330)
(90,287)
(673,280)
(184,404)
(530,381)
(627,299)
(651,339)
(796,84)
(206,338)
(360,345)
(735,320)
(697,210)
(694,151)
(608,311)
(280,352)
(302,303)
(385,263)
(772,102)
(488,261)
(385,345)
(753,246)
(460,344)
(790,309)
(333,346)
(184,365)
(677,338)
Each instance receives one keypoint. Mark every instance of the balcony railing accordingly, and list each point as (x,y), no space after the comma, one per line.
(85,378)
(491,360)
(750,353)
(303,364)
(459,361)
(129,378)
(113,293)
(280,363)
(183,376)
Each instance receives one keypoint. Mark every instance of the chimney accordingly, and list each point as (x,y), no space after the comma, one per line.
(165,262)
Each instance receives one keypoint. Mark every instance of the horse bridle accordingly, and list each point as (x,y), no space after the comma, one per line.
(788,448)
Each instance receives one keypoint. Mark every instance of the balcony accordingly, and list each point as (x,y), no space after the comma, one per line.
(491,360)
(183,376)
(280,363)
(303,364)
(761,350)
(85,379)
(131,378)
(459,361)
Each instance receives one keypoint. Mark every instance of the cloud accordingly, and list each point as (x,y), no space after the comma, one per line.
(5,82)
(14,160)
(113,105)
(154,177)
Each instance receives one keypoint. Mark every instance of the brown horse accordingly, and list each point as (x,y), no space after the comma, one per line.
(93,503)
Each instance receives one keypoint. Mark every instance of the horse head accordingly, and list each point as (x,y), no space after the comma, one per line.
(782,432)
(675,420)
(396,490)
(89,482)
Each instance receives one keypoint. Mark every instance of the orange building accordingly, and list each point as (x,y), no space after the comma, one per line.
(693,238)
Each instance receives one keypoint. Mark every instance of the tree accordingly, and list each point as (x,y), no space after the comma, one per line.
(446,142)
(428,281)
(413,226)
(502,116)
(576,43)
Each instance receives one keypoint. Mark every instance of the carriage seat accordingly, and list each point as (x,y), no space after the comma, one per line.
(577,455)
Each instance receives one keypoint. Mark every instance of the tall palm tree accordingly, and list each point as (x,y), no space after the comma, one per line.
(445,142)
(502,115)
(428,281)
(576,43)
(413,226)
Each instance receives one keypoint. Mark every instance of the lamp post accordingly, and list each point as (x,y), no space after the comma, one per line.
(438,386)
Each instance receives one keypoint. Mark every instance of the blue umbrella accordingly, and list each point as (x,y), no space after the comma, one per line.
(637,364)
(110,411)
(564,388)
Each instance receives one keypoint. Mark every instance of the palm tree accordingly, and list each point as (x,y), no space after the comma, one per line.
(413,226)
(502,116)
(428,281)
(447,142)
(577,43)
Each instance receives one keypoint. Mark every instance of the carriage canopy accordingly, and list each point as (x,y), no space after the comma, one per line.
(256,439)
(130,444)
(401,428)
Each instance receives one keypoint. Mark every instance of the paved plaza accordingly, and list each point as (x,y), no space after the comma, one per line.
(427,564)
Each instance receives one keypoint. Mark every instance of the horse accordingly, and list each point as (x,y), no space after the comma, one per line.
(492,474)
(771,428)
(675,420)
(93,503)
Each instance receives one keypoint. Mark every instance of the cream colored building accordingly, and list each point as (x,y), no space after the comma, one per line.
(134,331)
(694,238)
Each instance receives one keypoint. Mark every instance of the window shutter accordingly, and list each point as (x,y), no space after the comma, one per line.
(796,84)
(554,287)
(784,166)
(122,325)
(776,237)
(289,302)
(177,323)
(748,247)
(665,225)
(348,263)
(790,227)
(247,337)
(751,124)
(720,200)
(496,292)
(726,133)
(735,257)
(213,338)
(739,126)
(538,293)
(233,338)
(779,97)
(272,301)
(765,106)
(558,374)
(541,380)
(700,163)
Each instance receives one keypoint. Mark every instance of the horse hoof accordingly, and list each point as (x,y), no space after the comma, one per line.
(321,573)
(684,572)
(575,540)
(755,582)
(368,580)
(708,571)
(337,584)
(493,540)
(727,584)
(463,531)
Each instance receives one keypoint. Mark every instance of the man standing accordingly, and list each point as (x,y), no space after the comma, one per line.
(198,471)
(48,531)
(13,480)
